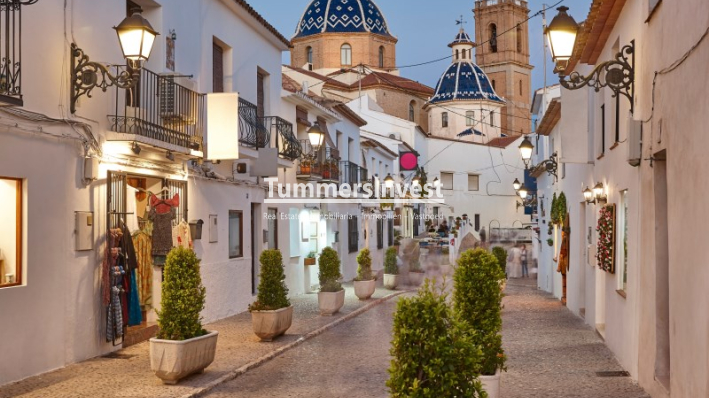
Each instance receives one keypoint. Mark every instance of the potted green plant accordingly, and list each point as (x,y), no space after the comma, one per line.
(391,269)
(306,166)
(416,273)
(433,355)
(310,258)
(331,296)
(477,300)
(550,242)
(272,313)
(182,347)
(365,283)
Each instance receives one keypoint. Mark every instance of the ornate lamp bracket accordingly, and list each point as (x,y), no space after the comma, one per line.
(87,75)
(618,74)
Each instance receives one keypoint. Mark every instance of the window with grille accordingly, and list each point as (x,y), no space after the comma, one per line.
(353,234)
(236,234)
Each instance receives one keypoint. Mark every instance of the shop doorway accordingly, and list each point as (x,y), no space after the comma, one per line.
(128,206)
(662,273)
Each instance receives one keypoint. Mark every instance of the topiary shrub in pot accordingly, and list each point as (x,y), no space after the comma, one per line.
(391,269)
(416,273)
(331,296)
(365,283)
(477,300)
(433,356)
(182,347)
(272,313)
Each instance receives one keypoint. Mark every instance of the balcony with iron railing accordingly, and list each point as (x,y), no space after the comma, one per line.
(282,137)
(322,166)
(160,110)
(252,130)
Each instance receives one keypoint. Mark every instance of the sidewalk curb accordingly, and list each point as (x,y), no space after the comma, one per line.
(278,352)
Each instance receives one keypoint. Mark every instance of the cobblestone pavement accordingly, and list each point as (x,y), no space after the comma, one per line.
(127,374)
(350,360)
(552,353)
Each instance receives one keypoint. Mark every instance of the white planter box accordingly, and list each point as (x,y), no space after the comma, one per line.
(174,360)
(391,281)
(331,302)
(271,324)
(491,384)
(365,289)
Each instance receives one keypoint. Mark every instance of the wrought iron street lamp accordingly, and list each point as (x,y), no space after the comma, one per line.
(316,136)
(600,194)
(516,184)
(618,74)
(389,181)
(136,37)
(522,192)
(588,195)
(526,149)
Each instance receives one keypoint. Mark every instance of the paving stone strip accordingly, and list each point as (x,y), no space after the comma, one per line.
(127,373)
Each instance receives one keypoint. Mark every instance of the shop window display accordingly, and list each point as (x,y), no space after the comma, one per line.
(10,232)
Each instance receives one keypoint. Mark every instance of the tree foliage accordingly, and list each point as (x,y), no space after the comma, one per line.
(390,266)
(272,290)
(364,269)
(183,297)
(433,355)
(501,255)
(477,300)
(329,274)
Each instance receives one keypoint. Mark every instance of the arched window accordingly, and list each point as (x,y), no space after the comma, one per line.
(457,55)
(346,54)
(493,38)
(519,39)
(412,111)
(381,56)
(309,55)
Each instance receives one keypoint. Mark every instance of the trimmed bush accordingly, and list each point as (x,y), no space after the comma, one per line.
(183,297)
(433,356)
(272,290)
(390,266)
(364,270)
(477,300)
(501,254)
(329,274)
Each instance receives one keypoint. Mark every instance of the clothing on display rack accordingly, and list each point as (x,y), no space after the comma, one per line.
(135,315)
(181,236)
(143,243)
(162,212)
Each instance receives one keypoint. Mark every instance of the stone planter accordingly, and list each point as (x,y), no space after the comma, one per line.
(271,324)
(491,384)
(391,281)
(331,302)
(365,289)
(174,360)
(416,278)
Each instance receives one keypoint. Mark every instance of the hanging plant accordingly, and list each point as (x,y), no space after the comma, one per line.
(558,209)
(550,242)
(605,254)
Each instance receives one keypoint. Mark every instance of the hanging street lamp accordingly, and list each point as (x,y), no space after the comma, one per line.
(516,184)
(136,37)
(618,74)
(389,181)
(316,136)
(526,149)
(522,192)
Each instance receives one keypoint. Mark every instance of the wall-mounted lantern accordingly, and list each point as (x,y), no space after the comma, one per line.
(597,195)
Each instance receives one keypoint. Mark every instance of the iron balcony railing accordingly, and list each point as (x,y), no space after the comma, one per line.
(252,131)
(330,165)
(285,140)
(11,50)
(350,173)
(309,163)
(161,108)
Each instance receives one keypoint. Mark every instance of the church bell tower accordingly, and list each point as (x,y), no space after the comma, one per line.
(503,53)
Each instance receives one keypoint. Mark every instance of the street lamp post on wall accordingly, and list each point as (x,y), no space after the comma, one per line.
(618,74)
(597,195)
(316,136)
(526,149)
(136,37)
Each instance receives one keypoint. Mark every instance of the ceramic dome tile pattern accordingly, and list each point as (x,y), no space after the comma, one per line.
(342,16)
(462,38)
(464,81)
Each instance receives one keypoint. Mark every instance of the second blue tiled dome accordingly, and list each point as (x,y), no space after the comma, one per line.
(464,81)
(342,16)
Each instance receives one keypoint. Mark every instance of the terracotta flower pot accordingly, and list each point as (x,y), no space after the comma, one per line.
(391,281)
(491,384)
(310,261)
(270,324)
(331,302)
(365,289)
(416,278)
(174,360)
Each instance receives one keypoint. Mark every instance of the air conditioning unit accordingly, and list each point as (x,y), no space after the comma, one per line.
(635,142)
(178,99)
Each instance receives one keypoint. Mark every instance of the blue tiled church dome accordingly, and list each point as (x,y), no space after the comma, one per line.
(464,81)
(342,16)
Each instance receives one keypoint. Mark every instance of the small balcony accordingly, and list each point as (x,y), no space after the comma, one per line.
(331,166)
(281,132)
(252,130)
(162,111)
(350,173)
(321,166)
